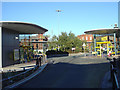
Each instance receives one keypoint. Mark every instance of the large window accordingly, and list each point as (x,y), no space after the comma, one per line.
(37,46)
(86,38)
(32,39)
(41,45)
(90,38)
(82,38)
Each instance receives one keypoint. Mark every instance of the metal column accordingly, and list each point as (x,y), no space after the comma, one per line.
(100,50)
(0,48)
(118,43)
(115,44)
(1,56)
(94,42)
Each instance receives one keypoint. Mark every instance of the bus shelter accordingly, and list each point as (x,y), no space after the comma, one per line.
(10,41)
(111,44)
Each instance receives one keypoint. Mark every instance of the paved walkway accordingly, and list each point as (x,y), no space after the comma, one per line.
(20,67)
(28,65)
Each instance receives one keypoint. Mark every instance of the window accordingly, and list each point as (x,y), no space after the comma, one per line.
(82,38)
(41,37)
(86,38)
(90,38)
(32,39)
(36,40)
(37,46)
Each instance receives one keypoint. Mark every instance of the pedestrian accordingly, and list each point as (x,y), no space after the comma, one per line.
(36,58)
(40,59)
(37,63)
(25,57)
(110,53)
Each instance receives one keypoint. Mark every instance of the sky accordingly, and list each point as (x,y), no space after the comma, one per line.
(75,17)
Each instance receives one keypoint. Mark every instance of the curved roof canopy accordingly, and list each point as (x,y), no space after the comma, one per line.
(23,27)
(103,31)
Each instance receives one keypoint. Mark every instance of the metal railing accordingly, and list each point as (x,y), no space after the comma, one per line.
(11,79)
(114,73)
(16,75)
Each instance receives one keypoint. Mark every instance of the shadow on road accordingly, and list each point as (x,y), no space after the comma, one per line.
(66,75)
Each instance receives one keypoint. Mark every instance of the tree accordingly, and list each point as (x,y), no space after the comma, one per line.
(53,42)
(65,42)
(62,41)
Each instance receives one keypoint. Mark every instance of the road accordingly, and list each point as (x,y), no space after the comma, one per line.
(71,72)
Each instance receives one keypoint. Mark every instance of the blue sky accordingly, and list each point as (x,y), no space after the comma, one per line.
(76,17)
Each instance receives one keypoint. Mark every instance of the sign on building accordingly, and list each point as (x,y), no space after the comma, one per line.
(16,54)
(104,38)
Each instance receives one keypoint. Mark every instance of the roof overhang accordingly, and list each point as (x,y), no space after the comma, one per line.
(23,27)
(103,31)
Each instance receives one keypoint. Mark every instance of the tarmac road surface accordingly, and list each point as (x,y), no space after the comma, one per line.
(71,72)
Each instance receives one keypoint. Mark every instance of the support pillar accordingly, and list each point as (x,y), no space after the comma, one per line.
(115,44)
(91,47)
(94,42)
(1,69)
(0,48)
(100,50)
(118,42)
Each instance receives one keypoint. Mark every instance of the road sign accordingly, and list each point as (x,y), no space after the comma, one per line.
(73,49)
(83,45)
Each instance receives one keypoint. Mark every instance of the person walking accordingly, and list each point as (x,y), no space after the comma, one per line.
(40,59)
(36,58)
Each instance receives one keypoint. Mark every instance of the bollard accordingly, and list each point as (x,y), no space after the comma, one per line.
(40,60)
(115,81)
(114,62)
(111,71)
(23,68)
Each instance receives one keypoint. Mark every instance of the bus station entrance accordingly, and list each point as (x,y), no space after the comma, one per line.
(106,41)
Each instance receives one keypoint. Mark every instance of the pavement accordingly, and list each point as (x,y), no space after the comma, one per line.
(19,67)
(40,69)
(28,65)
(73,72)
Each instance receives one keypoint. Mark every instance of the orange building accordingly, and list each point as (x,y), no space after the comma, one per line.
(88,38)
(35,41)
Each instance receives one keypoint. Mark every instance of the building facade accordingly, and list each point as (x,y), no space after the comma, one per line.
(88,38)
(10,45)
(36,42)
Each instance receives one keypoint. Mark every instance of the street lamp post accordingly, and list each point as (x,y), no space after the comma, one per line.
(58,19)
(58,24)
